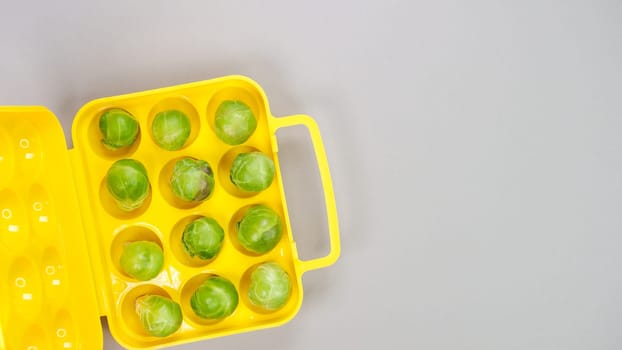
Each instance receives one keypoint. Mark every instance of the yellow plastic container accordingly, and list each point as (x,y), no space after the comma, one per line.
(61,234)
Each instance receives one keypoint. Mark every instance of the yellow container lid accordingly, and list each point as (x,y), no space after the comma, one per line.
(48,287)
(62,234)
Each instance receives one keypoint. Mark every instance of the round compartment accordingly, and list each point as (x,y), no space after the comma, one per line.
(183,105)
(7,159)
(54,277)
(14,230)
(246,94)
(25,296)
(35,338)
(64,333)
(40,212)
(110,205)
(129,234)
(28,150)
(186,294)
(245,286)
(128,314)
(224,170)
(233,230)
(167,192)
(177,246)
(95,139)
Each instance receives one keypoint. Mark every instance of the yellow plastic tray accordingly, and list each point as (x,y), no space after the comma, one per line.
(61,235)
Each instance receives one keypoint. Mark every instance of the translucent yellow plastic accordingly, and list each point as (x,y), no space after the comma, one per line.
(95,217)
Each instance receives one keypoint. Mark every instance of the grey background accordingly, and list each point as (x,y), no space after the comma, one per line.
(475,151)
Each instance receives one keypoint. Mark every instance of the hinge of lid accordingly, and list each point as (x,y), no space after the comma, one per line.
(93,246)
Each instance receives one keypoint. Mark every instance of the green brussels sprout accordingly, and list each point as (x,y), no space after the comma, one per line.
(215,299)
(270,286)
(260,229)
(203,238)
(252,172)
(142,260)
(234,122)
(160,316)
(192,179)
(119,128)
(171,129)
(128,183)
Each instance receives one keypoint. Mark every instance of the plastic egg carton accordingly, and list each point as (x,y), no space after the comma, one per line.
(62,234)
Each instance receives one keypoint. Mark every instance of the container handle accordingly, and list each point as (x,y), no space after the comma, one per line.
(329,195)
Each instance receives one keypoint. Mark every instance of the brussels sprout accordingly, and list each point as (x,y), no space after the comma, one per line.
(119,129)
(142,260)
(128,183)
(160,316)
(192,179)
(203,238)
(252,172)
(260,229)
(234,122)
(270,286)
(216,298)
(171,129)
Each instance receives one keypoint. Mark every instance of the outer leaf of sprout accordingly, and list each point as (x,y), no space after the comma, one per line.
(128,183)
(160,316)
(216,298)
(270,286)
(234,122)
(142,260)
(192,179)
(171,129)
(252,172)
(260,229)
(118,128)
(203,238)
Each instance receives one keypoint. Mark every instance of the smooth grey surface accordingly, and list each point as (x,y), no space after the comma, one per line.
(475,149)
